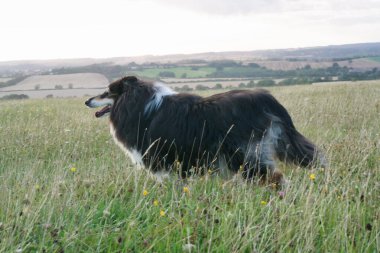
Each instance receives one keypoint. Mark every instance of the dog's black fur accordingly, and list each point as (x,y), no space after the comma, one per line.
(246,129)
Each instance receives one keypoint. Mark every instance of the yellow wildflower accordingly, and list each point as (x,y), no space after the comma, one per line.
(186,190)
(263,202)
(37,187)
(73,169)
(155,202)
(312,177)
(145,192)
(162,213)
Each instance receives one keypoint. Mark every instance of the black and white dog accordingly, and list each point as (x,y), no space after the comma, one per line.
(239,130)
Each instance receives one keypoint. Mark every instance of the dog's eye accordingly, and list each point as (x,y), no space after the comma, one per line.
(113,91)
(112,94)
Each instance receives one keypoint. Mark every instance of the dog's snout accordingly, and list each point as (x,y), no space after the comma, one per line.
(88,101)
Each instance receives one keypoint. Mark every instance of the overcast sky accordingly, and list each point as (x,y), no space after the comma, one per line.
(46,29)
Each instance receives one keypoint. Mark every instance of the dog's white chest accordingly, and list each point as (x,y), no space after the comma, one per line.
(132,153)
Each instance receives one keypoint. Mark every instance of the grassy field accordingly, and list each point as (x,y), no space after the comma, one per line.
(376,59)
(66,187)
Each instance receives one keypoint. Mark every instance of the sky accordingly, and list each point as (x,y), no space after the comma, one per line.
(56,29)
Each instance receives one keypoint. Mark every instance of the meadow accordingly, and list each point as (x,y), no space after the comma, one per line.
(200,72)
(66,187)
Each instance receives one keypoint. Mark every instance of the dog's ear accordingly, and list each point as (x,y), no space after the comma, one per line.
(132,80)
(121,85)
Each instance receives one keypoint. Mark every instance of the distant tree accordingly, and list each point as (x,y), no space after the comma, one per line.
(70,86)
(335,65)
(201,87)
(49,96)
(184,75)
(288,81)
(166,74)
(251,84)
(253,65)
(58,87)
(183,88)
(194,68)
(219,68)
(37,87)
(218,86)
(133,65)
(266,82)
(17,78)
(224,63)
(14,97)
(242,85)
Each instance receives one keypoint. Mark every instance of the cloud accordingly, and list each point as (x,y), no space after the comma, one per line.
(232,7)
(343,13)
(225,6)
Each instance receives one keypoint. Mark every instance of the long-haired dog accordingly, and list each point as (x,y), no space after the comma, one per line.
(239,130)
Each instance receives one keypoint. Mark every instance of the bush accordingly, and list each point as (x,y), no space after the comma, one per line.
(58,87)
(13,81)
(15,96)
(251,84)
(224,64)
(166,74)
(300,80)
(183,88)
(253,65)
(266,82)
(218,86)
(201,87)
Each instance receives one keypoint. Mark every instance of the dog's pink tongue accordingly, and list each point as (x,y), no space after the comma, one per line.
(103,111)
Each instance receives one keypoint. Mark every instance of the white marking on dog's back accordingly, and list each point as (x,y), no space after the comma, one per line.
(133,154)
(263,151)
(160,91)
(268,144)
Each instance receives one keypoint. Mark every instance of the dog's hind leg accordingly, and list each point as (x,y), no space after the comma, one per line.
(259,160)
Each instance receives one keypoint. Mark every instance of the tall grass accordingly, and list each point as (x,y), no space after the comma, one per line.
(47,206)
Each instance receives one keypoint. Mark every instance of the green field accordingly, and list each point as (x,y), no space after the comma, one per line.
(201,72)
(100,206)
(376,59)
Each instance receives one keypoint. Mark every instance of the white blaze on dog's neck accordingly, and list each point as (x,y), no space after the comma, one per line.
(136,157)
(133,154)
(160,91)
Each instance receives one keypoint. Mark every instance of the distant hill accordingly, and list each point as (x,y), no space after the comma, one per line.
(324,53)
(327,52)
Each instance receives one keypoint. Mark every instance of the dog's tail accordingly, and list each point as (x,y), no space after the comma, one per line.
(297,149)
(291,146)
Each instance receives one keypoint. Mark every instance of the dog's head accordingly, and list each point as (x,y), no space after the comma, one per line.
(111,96)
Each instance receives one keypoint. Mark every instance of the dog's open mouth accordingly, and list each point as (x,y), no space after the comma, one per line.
(103,111)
